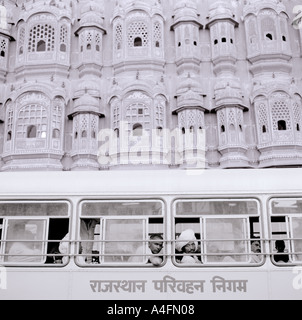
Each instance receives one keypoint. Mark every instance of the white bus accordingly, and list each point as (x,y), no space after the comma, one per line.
(227,210)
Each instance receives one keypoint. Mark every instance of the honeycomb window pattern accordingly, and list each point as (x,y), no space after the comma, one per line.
(138,30)
(41,33)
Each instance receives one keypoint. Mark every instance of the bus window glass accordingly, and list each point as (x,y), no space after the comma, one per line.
(225,230)
(296,234)
(122,233)
(24,240)
(122,238)
(224,237)
(33,209)
(286,206)
(214,207)
(125,208)
(43,222)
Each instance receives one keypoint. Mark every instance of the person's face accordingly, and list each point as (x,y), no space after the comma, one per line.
(156,246)
(189,247)
(255,247)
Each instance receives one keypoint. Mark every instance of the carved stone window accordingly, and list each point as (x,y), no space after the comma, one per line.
(32,122)
(63,38)
(41,38)
(138,34)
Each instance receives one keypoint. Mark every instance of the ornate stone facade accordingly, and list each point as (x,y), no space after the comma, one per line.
(98,85)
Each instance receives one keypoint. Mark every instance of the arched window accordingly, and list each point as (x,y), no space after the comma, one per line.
(223,40)
(281,125)
(263,129)
(84,134)
(41,46)
(31,132)
(76,135)
(222,128)
(9,136)
(118,37)
(269,36)
(56,133)
(138,42)
(159,131)
(117,132)
(63,38)
(137,130)
(63,47)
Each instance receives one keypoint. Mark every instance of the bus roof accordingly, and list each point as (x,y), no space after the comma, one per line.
(135,182)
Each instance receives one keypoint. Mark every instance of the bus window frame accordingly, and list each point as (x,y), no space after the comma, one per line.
(293,253)
(258,214)
(80,215)
(288,224)
(245,239)
(45,240)
(144,219)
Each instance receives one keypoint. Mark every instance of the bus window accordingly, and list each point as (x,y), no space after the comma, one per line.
(58,228)
(31,230)
(296,234)
(231,233)
(124,231)
(286,230)
(24,240)
(127,236)
(225,229)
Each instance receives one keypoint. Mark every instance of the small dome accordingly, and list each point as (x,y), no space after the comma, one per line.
(92,14)
(221,10)
(188,83)
(92,6)
(86,103)
(87,86)
(185,10)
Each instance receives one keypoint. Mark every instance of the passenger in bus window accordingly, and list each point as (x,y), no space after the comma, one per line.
(186,245)
(256,248)
(87,233)
(280,247)
(56,258)
(87,228)
(64,248)
(23,250)
(155,247)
